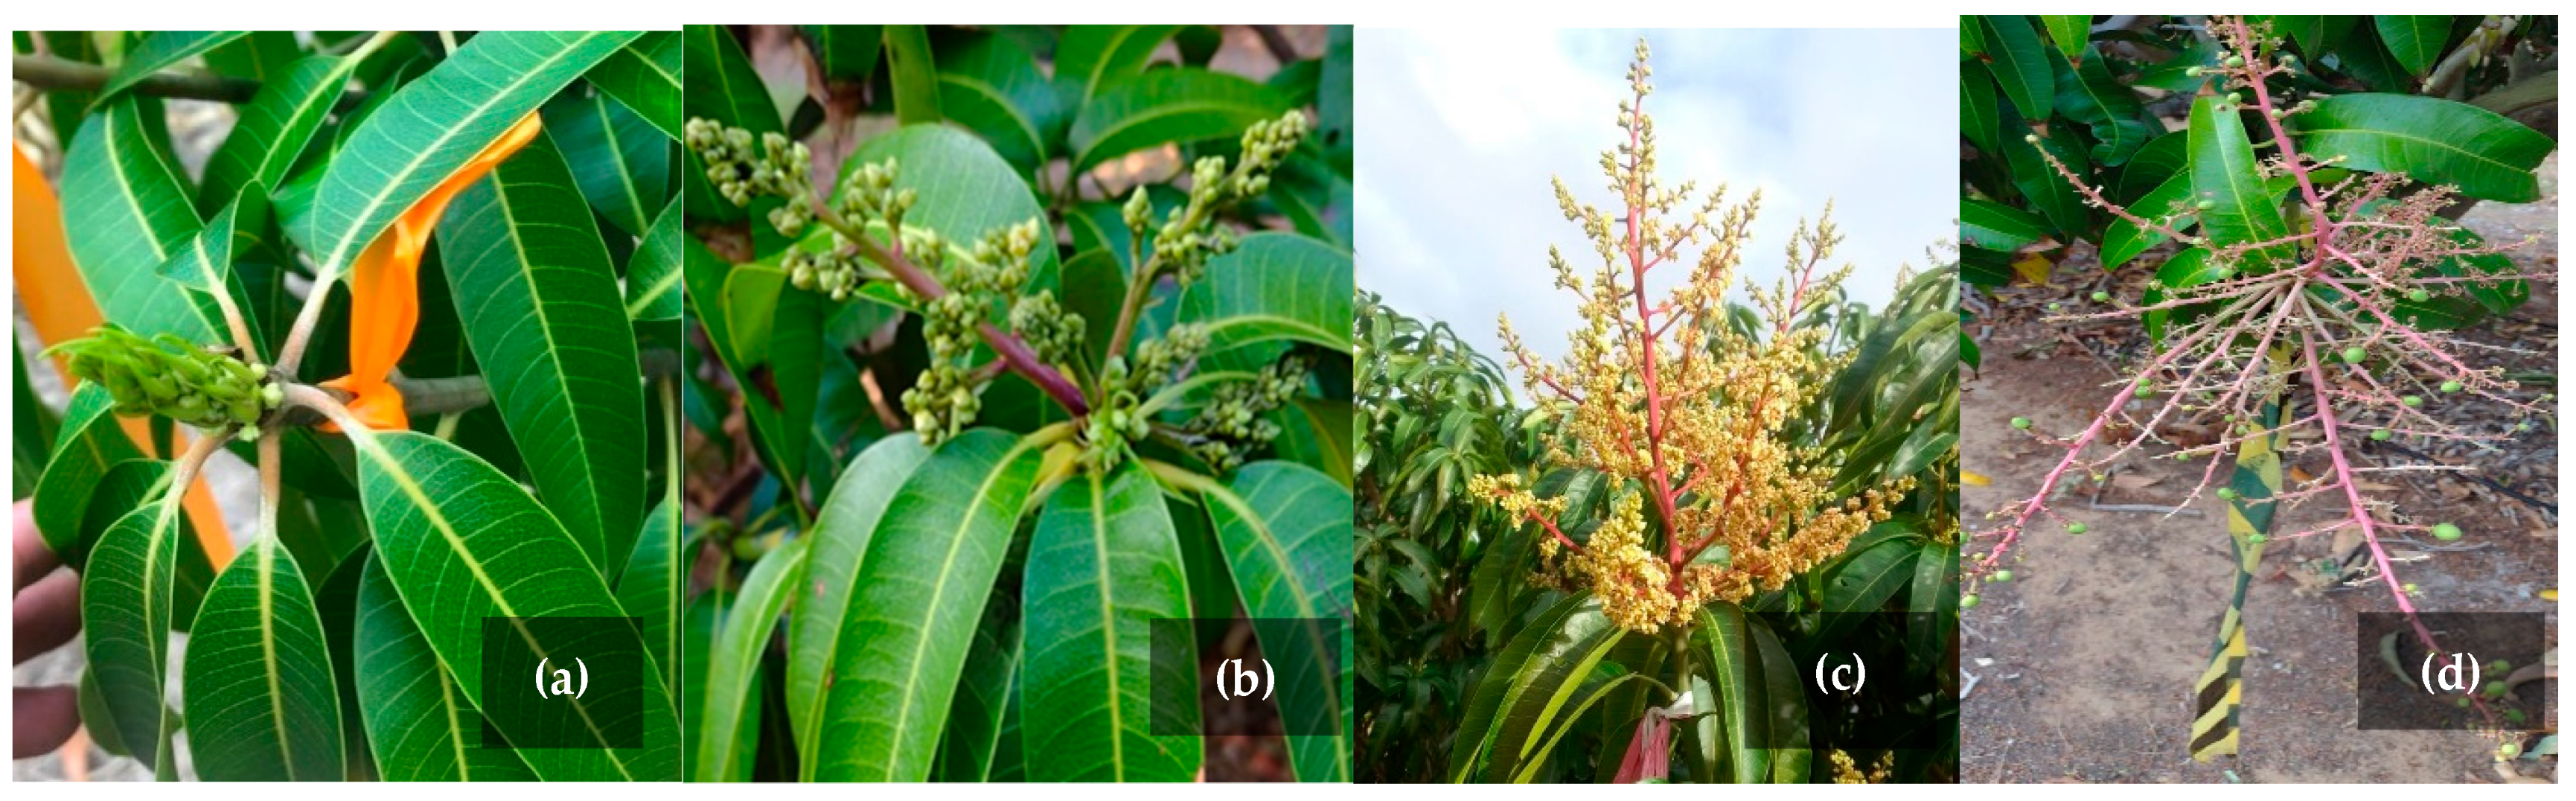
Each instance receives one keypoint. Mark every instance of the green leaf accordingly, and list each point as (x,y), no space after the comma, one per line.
(1274,288)
(1168,106)
(126,612)
(986,695)
(420,723)
(1758,698)
(89,445)
(707,292)
(730,706)
(261,699)
(928,568)
(2088,94)
(2160,160)
(1543,692)
(436,124)
(274,128)
(842,529)
(2415,39)
(1500,685)
(2486,155)
(914,74)
(1092,57)
(964,189)
(2045,188)
(621,163)
(463,542)
(993,87)
(644,74)
(2223,172)
(1333,103)
(545,320)
(845,52)
(1932,606)
(205,262)
(653,272)
(1102,565)
(2069,31)
(161,51)
(2020,63)
(1995,226)
(260,56)
(126,210)
(1286,531)
(1861,582)
(697,641)
(650,586)
(1977,92)
(2124,240)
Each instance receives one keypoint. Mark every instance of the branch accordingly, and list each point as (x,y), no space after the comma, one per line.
(51,74)
(1014,352)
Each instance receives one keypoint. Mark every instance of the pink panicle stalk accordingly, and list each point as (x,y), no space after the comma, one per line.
(2308,319)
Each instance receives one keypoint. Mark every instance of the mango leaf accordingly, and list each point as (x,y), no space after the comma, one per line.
(653,275)
(842,529)
(126,210)
(649,587)
(2020,63)
(160,51)
(1167,106)
(1546,690)
(845,52)
(2088,94)
(2415,39)
(1862,581)
(1275,288)
(205,262)
(965,188)
(435,124)
(1286,531)
(928,568)
(708,288)
(2124,240)
(127,608)
(621,163)
(2069,32)
(1758,696)
(1091,57)
(698,629)
(1932,606)
(546,322)
(1995,226)
(449,529)
(914,74)
(274,128)
(89,444)
(419,721)
(1102,565)
(2040,183)
(2222,172)
(2486,155)
(262,702)
(730,707)
(1977,96)
(986,697)
(644,74)
(993,87)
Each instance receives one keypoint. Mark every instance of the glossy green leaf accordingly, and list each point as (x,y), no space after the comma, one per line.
(653,272)
(965,188)
(1500,686)
(2046,190)
(260,56)
(650,585)
(1861,582)
(261,699)
(777,335)
(1103,564)
(914,74)
(841,532)
(1545,691)
(2069,32)
(986,696)
(90,443)
(436,124)
(707,282)
(1168,106)
(2223,172)
(274,128)
(2124,240)
(1286,531)
(1995,226)
(644,74)
(462,542)
(126,210)
(2436,141)
(2020,63)
(730,707)
(922,585)
(2162,158)
(1977,98)
(546,321)
(992,86)
(2087,93)
(161,51)
(1932,606)
(1092,57)
(127,607)
(698,629)
(2415,39)
(1274,288)
(205,261)
(620,161)
(419,721)
(845,52)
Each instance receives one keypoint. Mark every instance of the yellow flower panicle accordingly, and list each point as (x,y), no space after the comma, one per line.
(1681,409)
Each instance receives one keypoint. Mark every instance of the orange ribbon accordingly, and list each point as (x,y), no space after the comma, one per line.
(384,289)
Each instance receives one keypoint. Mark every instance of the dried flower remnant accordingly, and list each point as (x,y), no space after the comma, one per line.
(1681,411)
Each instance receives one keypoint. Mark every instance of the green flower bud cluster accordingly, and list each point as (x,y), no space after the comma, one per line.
(172,377)
(868,193)
(1048,328)
(1189,235)
(739,172)
(1118,418)
(1231,423)
(834,271)
(944,402)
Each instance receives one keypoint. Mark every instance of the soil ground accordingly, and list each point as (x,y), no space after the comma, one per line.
(2084,664)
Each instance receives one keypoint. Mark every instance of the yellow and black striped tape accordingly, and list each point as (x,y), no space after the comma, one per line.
(2221,689)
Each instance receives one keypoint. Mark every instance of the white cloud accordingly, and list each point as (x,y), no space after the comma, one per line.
(1462,128)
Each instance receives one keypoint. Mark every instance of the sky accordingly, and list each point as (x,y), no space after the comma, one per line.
(1461,128)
